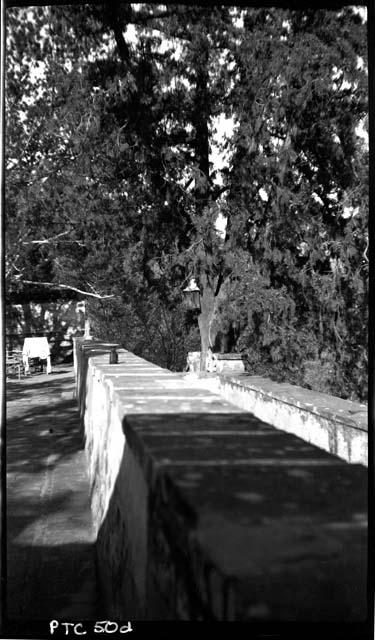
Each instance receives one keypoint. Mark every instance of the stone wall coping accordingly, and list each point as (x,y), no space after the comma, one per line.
(347,412)
(242,497)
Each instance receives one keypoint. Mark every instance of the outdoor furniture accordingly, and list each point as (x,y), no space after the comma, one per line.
(36,348)
(14,363)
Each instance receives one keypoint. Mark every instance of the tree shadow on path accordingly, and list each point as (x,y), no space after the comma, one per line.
(51,554)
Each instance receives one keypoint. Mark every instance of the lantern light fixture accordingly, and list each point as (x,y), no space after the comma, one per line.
(192,294)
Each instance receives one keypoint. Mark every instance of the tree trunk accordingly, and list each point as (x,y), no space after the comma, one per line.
(205,319)
(202,189)
(28,328)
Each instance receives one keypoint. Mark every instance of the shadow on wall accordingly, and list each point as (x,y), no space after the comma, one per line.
(222,517)
(58,321)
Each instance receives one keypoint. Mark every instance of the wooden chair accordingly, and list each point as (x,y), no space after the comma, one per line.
(14,363)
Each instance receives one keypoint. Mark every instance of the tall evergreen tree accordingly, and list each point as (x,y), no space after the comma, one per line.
(111,189)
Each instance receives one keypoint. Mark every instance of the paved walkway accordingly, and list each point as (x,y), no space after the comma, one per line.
(50,538)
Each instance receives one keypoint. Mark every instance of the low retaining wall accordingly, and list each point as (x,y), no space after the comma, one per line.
(204,512)
(335,425)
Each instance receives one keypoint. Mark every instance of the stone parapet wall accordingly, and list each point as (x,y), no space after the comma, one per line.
(335,425)
(204,512)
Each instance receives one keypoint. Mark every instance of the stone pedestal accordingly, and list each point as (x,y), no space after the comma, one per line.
(193,361)
(216,362)
(229,362)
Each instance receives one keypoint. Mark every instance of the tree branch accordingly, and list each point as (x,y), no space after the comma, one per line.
(365,251)
(67,286)
(52,238)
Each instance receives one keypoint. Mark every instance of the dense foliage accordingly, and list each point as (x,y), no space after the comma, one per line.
(112,189)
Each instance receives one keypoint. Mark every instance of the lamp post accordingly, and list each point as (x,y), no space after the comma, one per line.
(192,295)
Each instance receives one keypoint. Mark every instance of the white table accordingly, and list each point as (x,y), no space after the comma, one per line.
(36,348)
